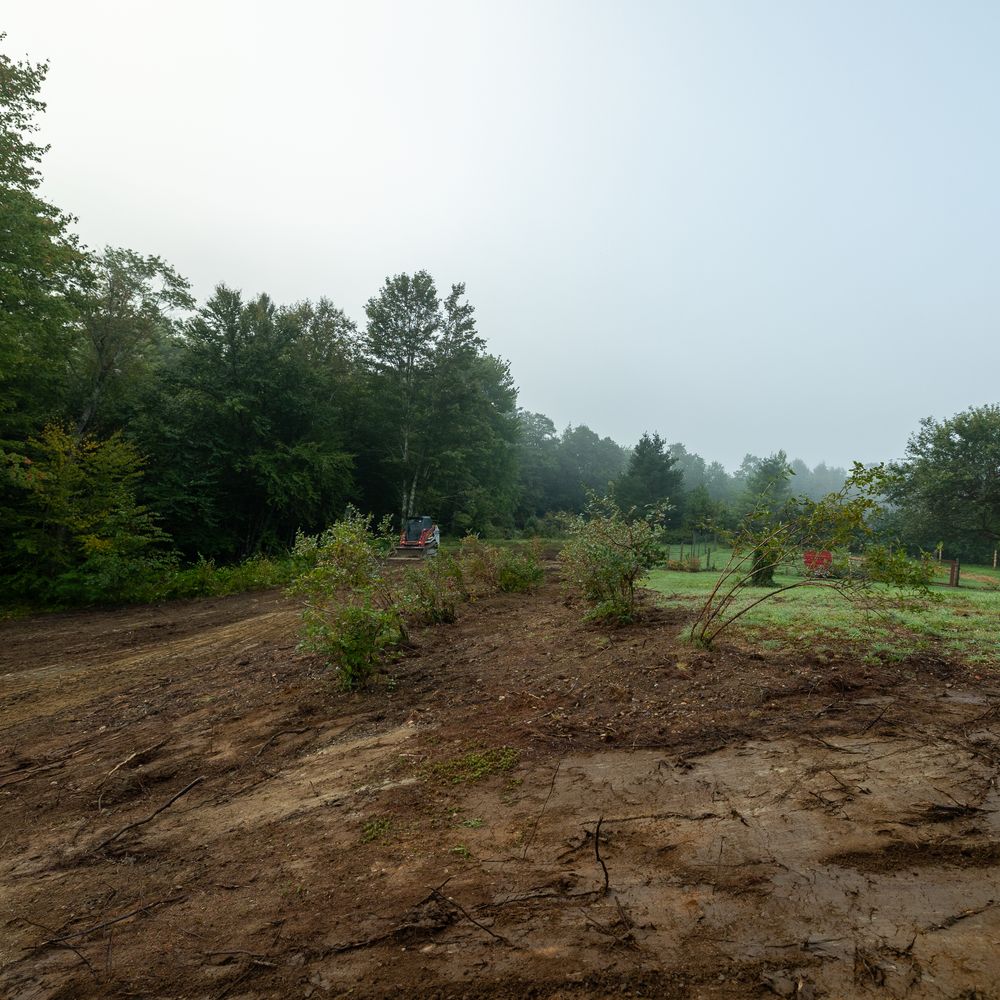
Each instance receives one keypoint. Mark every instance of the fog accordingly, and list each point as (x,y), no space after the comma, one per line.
(748,226)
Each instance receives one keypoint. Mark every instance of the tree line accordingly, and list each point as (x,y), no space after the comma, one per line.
(138,426)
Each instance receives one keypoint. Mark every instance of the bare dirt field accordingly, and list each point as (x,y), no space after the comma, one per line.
(529,806)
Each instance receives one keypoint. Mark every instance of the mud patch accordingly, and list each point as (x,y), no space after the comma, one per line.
(900,854)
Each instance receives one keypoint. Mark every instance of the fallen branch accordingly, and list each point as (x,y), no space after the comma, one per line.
(151,816)
(662,815)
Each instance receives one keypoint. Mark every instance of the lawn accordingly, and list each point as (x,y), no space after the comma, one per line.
(965,621)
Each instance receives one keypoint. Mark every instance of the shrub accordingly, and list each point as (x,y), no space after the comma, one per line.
(692,564)
(489,568)
(607,553)
(354,611)
(435,589)
(354,637)
(519,571)
(357,612)
(205,579)
(480,566)
(894,567)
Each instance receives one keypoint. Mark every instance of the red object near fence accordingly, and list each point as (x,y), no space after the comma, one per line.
(818,563)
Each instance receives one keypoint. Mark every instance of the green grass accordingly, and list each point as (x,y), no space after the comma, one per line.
(376,829)
(962,621)
(476,765)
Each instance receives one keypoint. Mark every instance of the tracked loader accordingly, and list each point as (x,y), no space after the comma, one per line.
(419,539)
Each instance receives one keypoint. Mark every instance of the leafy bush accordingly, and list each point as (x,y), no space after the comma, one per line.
(607,553)
(519,571)
(435,589)
(489,568)
(692,564)
(354,611)
(479,563)
(354,637)
(894,567)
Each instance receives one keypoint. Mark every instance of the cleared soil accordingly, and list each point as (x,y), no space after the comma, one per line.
(529,807)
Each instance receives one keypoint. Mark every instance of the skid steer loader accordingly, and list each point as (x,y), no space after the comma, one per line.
(419,539)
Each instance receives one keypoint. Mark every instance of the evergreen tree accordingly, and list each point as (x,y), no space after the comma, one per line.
(651,479)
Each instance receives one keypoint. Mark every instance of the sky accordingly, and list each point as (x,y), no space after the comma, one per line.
(745,225)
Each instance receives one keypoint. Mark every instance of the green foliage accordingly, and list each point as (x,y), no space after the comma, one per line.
(477,764)
(354,636)
(557,470)
(519,572)
(376,829)
(246,432)
(948,485)
(607,553)
(76,532)
(651,479)
(488,568)
(41,268)
(125,309)
(767,538)
(206,579)
(358,610)
(354,612)
(766,482)
(896,568)
(435,588)
(440,414)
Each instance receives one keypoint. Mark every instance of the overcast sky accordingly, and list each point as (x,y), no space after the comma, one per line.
(747,225)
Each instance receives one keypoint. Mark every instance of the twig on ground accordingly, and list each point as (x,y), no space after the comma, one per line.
(109,923)
(151,816)
(62,944)
(877,718)
(130,757)
(597,853)
(538,818)
(962,915)
(468,916)
(274,736)
(236,951)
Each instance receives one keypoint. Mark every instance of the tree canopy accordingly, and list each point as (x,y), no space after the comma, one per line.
(948,486)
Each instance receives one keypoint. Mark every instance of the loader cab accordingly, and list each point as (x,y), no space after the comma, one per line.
(416,526)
